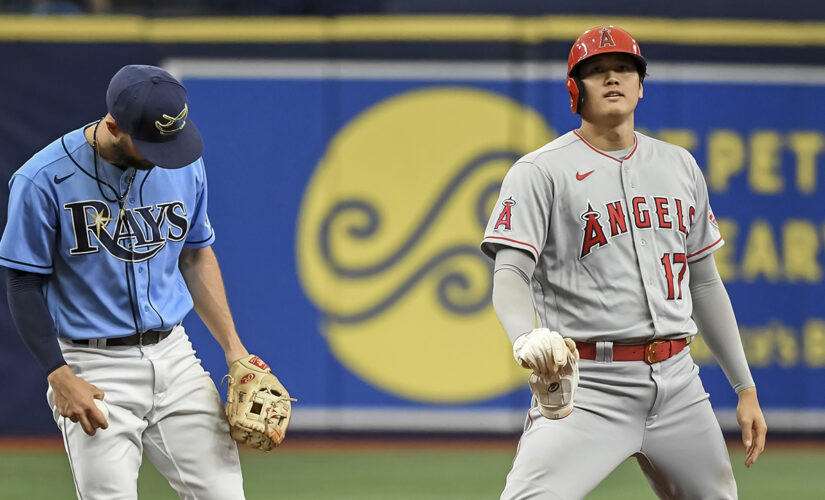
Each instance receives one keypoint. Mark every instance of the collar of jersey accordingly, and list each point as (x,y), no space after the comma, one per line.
(635,145)
(106,166)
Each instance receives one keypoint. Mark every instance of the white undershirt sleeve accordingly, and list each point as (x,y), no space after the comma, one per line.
(713,314)
(512,297)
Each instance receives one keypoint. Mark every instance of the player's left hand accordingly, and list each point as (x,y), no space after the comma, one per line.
(750,418)
(258,407)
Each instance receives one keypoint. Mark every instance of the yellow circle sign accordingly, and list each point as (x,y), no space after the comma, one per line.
(388,236)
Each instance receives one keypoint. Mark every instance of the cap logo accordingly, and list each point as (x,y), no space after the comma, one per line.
(606,39)
(173,123)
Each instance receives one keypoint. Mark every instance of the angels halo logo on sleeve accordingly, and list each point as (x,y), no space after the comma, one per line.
(505,218)
(388,236)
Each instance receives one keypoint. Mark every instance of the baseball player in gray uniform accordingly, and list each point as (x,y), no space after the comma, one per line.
(107,248)
(603,239)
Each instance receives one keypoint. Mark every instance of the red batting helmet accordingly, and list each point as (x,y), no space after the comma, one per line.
(595,41)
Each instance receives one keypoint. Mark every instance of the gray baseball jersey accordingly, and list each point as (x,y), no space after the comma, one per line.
(611,237)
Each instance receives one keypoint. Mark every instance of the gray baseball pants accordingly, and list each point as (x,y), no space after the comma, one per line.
(658,413)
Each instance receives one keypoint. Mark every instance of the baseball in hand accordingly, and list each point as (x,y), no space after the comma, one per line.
(103,408)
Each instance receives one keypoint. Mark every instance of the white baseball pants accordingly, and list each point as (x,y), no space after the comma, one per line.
(162,403)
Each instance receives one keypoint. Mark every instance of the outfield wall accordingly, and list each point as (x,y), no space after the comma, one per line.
(352,165)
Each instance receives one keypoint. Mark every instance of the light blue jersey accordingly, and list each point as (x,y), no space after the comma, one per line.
(109,276)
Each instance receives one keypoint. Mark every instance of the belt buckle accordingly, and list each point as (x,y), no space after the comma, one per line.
(650,351)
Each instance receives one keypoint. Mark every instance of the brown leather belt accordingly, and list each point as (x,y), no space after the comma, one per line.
(652,352)
(148,337)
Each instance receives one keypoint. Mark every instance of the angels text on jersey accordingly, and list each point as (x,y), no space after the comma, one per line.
(661,212)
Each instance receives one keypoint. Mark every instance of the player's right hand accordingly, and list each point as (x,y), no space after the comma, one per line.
(74,399)
(543,351)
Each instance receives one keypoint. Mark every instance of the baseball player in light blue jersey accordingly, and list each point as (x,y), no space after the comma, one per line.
(107,247)
(605,238)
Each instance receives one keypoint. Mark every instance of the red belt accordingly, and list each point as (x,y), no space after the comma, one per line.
(652,352)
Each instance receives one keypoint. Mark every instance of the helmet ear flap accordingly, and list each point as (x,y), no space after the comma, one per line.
(576,91)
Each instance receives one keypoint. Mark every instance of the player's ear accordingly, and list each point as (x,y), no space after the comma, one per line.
(112,126)
(641,89)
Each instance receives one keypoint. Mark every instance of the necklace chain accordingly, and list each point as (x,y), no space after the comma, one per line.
(120,199)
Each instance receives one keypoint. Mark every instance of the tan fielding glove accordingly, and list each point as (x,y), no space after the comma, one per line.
(257,405)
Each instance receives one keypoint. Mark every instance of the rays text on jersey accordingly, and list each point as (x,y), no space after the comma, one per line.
(132,240)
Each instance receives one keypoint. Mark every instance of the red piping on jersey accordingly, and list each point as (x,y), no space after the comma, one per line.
(635,145)
(514,241)
(706,248)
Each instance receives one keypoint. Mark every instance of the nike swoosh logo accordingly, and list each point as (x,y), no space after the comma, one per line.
(581,177)
(58,180)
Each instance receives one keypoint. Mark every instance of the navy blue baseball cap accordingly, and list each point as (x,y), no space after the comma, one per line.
(150,105)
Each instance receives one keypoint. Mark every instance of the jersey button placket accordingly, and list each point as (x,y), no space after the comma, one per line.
(640,243)
(645,250)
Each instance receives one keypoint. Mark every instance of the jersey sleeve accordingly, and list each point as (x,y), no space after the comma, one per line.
(28,242)
(200,233)
(520,217)
(703,237)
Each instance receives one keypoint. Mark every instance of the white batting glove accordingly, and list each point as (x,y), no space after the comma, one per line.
(543,351)
(555,393)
